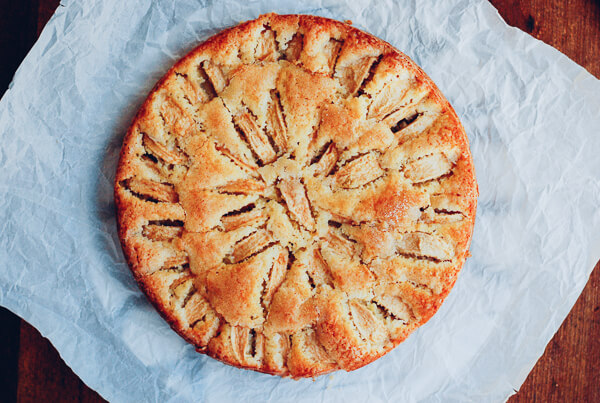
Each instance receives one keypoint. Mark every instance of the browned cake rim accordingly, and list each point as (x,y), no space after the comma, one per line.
(223,42)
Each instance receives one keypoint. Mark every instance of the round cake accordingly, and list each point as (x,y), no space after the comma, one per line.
(295,196)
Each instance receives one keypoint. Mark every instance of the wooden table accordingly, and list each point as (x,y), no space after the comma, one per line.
(569,371)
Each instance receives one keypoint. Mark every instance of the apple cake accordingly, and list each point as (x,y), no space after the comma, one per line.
(295,196)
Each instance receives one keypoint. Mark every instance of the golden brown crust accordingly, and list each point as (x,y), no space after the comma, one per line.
(295,196)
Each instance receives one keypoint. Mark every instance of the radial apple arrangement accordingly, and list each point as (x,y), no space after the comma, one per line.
(295,196)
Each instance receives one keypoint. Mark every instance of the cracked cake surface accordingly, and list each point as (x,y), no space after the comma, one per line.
(295,196)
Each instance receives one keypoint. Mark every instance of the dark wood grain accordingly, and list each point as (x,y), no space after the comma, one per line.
(45,10)
(17,35)
(569,371)
(43,376)
(18,20)
(571,26)
(9,354)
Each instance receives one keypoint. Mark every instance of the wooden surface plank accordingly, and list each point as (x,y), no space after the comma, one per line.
(18,20)
(571,26)
(569,370)
(43,376)
(570,367)
(17,35)
(9,354)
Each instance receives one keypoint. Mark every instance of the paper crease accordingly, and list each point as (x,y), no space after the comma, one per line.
(532,117)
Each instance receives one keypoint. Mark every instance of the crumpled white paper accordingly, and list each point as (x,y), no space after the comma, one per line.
(533,119)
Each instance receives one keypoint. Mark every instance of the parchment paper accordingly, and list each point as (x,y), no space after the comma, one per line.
(533,119)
